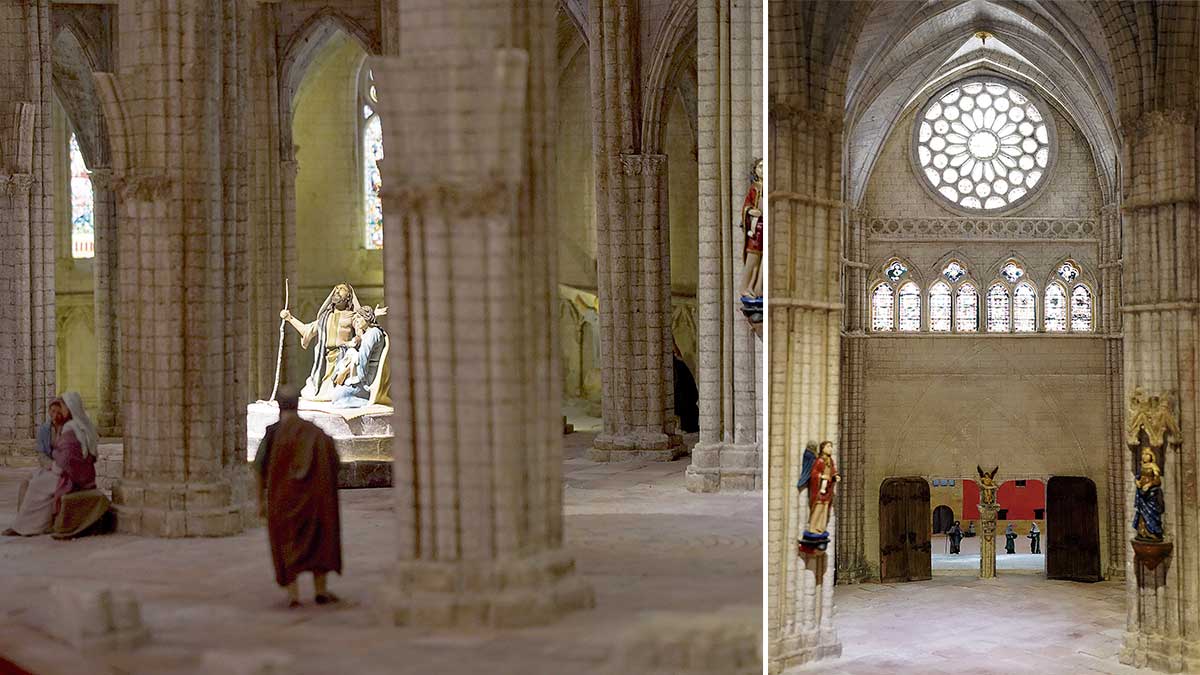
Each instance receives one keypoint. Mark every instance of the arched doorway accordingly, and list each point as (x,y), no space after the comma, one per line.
(1072,529)
(904,520)
(943,518)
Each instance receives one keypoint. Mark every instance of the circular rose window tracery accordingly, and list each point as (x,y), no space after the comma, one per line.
(984,145)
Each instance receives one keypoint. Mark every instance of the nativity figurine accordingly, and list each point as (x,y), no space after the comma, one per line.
(344,349)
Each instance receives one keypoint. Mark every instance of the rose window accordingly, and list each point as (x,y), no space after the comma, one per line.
(984,145)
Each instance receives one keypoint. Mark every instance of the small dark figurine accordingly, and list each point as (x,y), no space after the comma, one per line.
(1010,539)
(1035,539)
(970,530)
(955,534)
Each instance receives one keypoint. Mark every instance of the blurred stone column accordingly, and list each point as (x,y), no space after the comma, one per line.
(180,171)
(105,266)
(1109,323)
(470,268)
(27,315)
(729,70)
(633,257)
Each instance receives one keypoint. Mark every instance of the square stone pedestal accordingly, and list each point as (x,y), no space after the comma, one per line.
(364,442)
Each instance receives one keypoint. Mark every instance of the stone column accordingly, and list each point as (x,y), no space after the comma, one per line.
(633,250)
(180,173)
(271,235)
(987,540)
(852,566)
(105,265)
(1159,303)
(1110,325)
(805,317)
(470,271)
(729,73)
(27,328)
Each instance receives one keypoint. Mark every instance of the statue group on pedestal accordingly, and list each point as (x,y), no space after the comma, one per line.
(349,368)
(818,475)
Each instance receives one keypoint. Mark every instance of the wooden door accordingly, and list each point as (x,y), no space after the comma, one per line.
(904,526)
(1072,536)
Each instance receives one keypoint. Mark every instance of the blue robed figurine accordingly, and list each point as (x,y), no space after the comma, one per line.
(1148,502)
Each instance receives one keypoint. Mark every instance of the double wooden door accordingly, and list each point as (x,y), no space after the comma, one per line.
(904,523)
(1072,536)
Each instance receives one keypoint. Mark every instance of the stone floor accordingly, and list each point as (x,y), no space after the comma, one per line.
(644,542)
(953,625)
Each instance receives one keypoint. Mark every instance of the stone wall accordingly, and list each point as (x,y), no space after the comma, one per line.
(937,406)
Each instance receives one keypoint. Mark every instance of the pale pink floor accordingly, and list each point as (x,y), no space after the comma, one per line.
(956,625)
(640,538)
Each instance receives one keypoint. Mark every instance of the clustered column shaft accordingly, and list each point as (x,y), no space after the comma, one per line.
(470,271)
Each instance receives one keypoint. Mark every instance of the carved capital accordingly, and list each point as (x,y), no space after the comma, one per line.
(17,184)
(142,186)
(637,165)
(102,178)
(455,201)
(1153,414)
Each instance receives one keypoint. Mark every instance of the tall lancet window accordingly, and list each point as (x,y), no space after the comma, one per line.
(83,205)
(939,307)
(372,152)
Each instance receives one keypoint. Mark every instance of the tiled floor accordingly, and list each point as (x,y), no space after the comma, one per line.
(955,625)
(642,540)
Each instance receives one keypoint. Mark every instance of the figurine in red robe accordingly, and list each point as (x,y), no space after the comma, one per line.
(752,249)
(818,474)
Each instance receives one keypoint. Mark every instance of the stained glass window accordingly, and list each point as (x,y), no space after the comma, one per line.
(997,309)
(882,308)
(83,206)
(1056,308)
(984,146)
(1012,271)
(1081,309)
(1067,271)
(954,271)
(910,307)
(1024,310)
(939,307)
(372,152)
(896,270)
(966,311)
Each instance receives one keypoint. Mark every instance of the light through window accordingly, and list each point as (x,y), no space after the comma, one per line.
(966,310)
(372,153)
(983,145)
(1081,309)
(83,205)
(1056,308)
(1024,310)
(910,307)
(882,308)
(997,309)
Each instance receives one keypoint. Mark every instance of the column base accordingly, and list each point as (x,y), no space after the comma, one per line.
(1167,655)
(659,447)
(726,641)
(804,647)
(193,509)
(718,467)
(493,593)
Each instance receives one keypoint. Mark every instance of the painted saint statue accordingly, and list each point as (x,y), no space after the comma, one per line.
(1148,502)
(752,249)
(818,475)
(334,332)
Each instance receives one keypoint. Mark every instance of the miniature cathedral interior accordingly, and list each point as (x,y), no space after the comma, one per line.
(983,292)
(507,253)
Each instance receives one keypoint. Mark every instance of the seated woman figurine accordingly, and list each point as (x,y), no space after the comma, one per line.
(357,371)
(73,443)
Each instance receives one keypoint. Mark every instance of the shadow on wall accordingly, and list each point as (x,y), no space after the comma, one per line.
(579,336)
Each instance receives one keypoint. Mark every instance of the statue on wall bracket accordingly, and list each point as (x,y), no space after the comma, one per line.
(751,224)
(1151,429)
(349,347)
(818,474)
